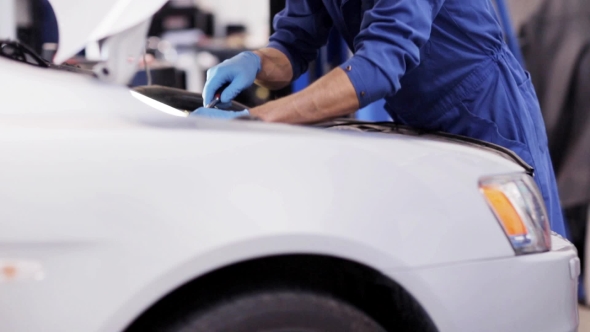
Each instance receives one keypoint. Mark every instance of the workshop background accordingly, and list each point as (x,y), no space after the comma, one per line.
(552,37)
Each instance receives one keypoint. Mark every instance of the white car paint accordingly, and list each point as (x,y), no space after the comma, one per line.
(116,204)
(121,203)
(525,293)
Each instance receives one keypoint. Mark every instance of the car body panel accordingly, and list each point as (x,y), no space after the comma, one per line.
(526,293)
(121,203)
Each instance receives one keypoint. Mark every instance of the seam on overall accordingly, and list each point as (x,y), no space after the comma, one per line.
(457,93)
(449,97)
(458,26)
(517,119)
(475,42)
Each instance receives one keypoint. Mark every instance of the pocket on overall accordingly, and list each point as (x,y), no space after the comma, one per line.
(473,125)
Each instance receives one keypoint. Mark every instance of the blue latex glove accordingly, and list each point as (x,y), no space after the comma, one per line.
(218,114)
(240,71)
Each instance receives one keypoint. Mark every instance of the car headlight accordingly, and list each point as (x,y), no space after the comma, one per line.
(520,209)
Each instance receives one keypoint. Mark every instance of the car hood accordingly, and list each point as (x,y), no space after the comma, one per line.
(81,22)
(42,100)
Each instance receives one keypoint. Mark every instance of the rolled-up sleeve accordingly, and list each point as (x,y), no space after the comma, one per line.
(301,29)
(388,46)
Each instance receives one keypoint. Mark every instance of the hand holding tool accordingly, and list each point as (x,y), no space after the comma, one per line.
(219,114)
(238,72)
(217,97)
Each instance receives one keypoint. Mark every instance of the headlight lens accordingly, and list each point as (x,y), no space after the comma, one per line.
(519,207)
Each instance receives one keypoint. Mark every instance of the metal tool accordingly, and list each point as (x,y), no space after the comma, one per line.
(217,97)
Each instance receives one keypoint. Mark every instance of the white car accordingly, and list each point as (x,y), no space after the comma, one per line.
(117,216)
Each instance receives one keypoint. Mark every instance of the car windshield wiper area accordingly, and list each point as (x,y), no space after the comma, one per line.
(16,51)
(180,99)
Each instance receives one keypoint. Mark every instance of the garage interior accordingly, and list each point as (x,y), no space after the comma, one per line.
(188,37)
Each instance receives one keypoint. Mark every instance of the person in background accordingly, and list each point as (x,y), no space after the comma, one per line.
(560,31)
(440,65)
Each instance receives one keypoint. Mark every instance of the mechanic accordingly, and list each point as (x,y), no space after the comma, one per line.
(440,65)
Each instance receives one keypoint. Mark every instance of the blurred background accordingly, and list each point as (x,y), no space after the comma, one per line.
(554,38)
(185,39)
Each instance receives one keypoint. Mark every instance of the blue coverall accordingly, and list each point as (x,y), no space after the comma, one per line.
(439,64)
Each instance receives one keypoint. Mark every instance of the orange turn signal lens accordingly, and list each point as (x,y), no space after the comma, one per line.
(19,270)
(517,204)
(505,211)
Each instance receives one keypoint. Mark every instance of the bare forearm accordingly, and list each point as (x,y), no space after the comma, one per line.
(276,71)
(331,96)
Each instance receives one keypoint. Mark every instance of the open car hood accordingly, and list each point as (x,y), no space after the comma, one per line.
(81,22)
